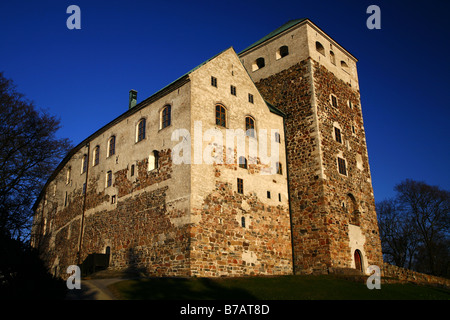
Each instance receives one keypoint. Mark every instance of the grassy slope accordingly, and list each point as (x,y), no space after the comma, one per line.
(271,288)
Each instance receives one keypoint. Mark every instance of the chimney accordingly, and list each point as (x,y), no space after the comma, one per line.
(132,99)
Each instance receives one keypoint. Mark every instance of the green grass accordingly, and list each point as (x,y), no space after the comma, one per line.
(270,288)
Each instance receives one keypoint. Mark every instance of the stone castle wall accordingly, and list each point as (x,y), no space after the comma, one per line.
(333,214)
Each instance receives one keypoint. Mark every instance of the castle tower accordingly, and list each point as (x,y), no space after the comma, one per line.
(313,80)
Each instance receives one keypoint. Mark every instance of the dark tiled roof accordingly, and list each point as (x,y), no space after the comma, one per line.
(277,31)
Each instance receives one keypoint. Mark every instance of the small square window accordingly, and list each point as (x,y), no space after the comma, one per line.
(240,185)
(214,81)
(250,98)
(233,90)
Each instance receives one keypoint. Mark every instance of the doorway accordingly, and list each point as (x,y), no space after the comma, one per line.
(358,260)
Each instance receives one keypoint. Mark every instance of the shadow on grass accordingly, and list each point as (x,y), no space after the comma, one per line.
(177,289)
(270,288)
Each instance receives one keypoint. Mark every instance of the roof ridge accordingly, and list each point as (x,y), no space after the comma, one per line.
(287,25)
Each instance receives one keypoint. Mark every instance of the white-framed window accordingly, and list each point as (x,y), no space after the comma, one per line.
(282,52)
(166,116)
(153,160)
(258,64)
(140,130)
(96,156)
(320,48)
(111,146)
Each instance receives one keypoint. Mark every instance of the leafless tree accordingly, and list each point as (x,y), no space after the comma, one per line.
(29,152)
(414,227)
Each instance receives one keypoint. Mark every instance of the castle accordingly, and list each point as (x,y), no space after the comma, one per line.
(252,163)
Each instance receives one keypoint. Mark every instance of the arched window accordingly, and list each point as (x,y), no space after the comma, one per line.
(111,146)
(153,160)
(320,48)
(96,158)
(166,116)
(250,126)
(352,210)
(282,52)
(332,57)
(242,162)
(140,133)
(221,116)
(344,65)
(258,64)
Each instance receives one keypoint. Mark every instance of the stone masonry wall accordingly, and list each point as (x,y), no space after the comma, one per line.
(350,201)
(221,246)
(291,91)
(324,202)
(139,228)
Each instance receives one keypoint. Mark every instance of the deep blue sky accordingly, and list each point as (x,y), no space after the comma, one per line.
(84,76)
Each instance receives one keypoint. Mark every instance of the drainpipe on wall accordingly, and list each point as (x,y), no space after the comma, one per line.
(84,205)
